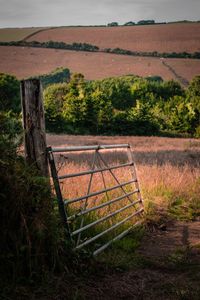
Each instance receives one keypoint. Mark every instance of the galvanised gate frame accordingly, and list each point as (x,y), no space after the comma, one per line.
(64,204)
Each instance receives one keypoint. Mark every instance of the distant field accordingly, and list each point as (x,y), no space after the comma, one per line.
(160,38)
(24,62)
(17,34)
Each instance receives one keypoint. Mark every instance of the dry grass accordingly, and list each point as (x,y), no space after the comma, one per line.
(168,171)
(161,38)
(25,62)
(17,34)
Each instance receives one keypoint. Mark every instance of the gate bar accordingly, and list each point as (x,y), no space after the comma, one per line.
(118,237)
(82,148)
(61,206)
(72,217)
(109,229)
(104,218)
(134,173)
(94,171)
(99,192)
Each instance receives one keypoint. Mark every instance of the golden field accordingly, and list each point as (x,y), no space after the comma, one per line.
(17,34)
(167,168)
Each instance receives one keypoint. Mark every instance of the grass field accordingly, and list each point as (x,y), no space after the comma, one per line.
(168,169)
(25,62)
(160,38)
(17,34)
(162,260)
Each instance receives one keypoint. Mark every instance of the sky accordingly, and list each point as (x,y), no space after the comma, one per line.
(34,13)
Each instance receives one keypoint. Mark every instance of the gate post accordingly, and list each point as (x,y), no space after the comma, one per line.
(34,124)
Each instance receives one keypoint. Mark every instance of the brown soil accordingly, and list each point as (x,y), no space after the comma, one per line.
(161,38)
(25,62)
(162,277)
(171,237)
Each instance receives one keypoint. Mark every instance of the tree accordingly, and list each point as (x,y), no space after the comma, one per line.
(143,92)
(53,105)
(116,90)
(193,94)
(9,93)
(171,88)
(76,83)
(180,115)
(130,23)
(103,110)
(143,120)
(112,24)
(146,22)
(57,76)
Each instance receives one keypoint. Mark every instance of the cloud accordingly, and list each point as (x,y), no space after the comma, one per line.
(73,12)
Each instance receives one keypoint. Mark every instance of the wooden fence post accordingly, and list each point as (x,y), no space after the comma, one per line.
(34,124)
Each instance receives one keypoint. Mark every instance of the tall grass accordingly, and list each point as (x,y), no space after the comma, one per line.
(167,168)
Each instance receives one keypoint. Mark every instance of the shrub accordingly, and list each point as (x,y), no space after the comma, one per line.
(112,24)
(9,93)
(58,76)
(32,238)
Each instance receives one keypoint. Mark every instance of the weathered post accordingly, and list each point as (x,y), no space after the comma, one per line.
(34,124)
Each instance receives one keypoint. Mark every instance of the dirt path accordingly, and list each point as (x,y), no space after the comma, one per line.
(169,268)
(178,77)
(175,236)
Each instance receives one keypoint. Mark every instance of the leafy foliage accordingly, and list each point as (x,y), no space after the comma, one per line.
(9,93)
(58,76)
(93,48)
(193,95)
(32,239)
(146,22)
(124,105)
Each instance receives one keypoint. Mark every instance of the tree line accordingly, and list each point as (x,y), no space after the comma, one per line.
(127,105)
(94,48)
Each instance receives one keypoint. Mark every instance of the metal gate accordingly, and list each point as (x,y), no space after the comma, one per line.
(101,216)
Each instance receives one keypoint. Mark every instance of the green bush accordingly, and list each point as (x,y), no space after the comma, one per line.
(124,105)
(32,238)
(146,22)
(58,76)
(93,48)
(9,93)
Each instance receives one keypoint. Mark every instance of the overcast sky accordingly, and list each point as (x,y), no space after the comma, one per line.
(21,13)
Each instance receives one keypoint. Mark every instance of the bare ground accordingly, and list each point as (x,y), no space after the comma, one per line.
(25,62)
(167,273)
(162,38)
(169,270)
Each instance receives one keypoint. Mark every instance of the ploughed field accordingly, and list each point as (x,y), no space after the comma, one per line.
(179,37)
(24,62)
(161,38)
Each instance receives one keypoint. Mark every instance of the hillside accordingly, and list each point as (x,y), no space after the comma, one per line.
(178,37)
(160,38)
(16,34)
(24,62)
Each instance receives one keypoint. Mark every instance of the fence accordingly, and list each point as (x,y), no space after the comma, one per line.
(100,216)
